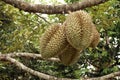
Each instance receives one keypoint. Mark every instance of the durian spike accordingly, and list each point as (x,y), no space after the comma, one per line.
(69,55)
(96,37)
(78,29)
(53,41)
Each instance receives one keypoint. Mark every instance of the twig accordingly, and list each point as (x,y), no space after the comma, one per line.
(107,38)
(43,18)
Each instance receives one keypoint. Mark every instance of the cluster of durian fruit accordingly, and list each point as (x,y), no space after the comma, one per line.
(68,40)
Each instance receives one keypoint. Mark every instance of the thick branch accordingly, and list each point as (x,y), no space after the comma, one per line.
(53,9)
(33,72)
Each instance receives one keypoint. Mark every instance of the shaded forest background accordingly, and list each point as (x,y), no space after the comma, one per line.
(20,32)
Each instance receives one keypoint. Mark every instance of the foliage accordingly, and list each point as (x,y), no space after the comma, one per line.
(20,32)
(19,29)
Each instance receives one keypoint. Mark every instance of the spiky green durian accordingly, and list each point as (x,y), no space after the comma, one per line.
(69,55)
(78,28)
(96,37)
(53,41)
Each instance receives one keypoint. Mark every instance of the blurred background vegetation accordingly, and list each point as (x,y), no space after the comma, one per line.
(20,32)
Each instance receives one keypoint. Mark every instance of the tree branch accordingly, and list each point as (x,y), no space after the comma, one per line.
(33,72)
(106,77)
(53,9)
(31,55)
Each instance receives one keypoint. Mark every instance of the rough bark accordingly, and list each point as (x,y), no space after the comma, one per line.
(53,9)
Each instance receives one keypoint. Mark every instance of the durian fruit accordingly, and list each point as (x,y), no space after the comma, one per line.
(96,37)
(53,41)
(69,55)
(78,29)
